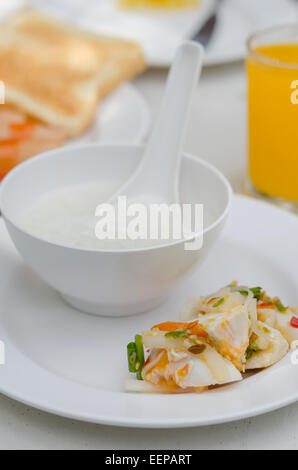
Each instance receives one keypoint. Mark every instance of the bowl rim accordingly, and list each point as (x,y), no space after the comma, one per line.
(49,153)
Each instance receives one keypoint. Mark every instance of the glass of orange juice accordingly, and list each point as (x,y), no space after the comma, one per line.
(158,3)
(272,70)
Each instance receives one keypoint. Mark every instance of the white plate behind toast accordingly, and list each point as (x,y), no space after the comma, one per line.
(160,32)
(122,117)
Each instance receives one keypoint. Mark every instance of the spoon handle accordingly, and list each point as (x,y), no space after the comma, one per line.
(163,151)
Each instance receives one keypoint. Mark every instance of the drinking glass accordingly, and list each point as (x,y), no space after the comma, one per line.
(272,71)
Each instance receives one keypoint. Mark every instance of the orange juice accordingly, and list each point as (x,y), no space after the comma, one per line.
(273,119)
(159,3)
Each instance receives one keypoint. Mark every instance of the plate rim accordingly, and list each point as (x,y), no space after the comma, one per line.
(147,424)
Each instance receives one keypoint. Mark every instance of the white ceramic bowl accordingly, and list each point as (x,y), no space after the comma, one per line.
(112,283)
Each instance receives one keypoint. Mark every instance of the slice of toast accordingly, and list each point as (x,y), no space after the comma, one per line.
(57,73)
(41,87)
(82,51)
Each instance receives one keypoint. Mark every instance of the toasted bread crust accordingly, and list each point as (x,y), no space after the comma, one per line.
(111,60)
(57,73)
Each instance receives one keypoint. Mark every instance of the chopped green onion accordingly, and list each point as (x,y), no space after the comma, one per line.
(257,292)
(132,357)
(252,348)
(219,302)
(135,356)
(177,334)
(140,349)
(279,305)
(249,353)
(243,292)
(266,330)
(140,356)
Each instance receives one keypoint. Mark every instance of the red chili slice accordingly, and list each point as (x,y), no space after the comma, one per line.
(294,322)
(148,359)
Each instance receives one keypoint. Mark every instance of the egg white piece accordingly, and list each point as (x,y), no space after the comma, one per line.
(229,331)
(272,344)
(196,305)
(157,339)
(191,309)
(283,324)
(209,368)
(188,370)
(267,315)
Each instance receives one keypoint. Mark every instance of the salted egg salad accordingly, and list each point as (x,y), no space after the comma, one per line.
(218,337)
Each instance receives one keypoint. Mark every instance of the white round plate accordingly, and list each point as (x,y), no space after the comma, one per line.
(122,117)
(159,33)
(237,20)
(72,364)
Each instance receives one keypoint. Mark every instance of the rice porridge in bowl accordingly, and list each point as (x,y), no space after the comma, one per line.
(48,206)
